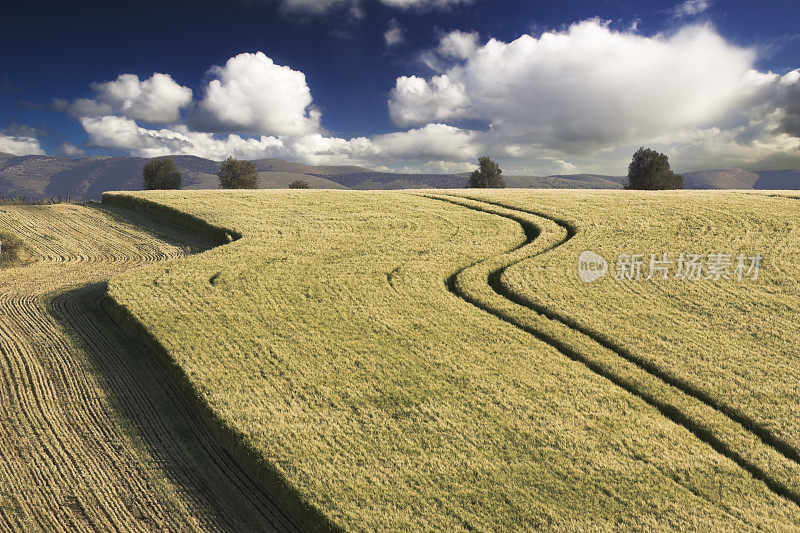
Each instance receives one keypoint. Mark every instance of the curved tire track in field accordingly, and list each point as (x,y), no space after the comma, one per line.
(95,434)
(730,433)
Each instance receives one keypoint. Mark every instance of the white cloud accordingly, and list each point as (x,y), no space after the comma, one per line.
(20,141)
(458,44)
(70,150)
(84,107)
(580,99)
(157,99)
(562,167)
(393,34)
(691,7)
(431,142)
(251,94)
(415,101)
(120,133)
(431,167)
(577,93)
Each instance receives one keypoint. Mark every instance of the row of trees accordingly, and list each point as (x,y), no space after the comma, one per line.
(163,173)
(648,170)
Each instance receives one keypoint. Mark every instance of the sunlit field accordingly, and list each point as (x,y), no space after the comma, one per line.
(420,360)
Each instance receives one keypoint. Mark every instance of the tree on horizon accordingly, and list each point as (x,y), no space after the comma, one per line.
(649,170)
(235,174)
(488,175)
(161,173)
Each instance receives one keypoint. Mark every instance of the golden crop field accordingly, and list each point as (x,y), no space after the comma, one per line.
(426,361)
(92,436)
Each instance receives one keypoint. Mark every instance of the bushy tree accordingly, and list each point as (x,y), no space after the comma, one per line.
(489,175)
(235,174)
(298,184)
(649,170)
(161,174)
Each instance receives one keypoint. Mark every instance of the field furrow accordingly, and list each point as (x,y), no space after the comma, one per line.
(327,341)
(732,435)
(96,434)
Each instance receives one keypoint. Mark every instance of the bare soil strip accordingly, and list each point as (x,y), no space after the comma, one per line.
(729,433)
(95,434)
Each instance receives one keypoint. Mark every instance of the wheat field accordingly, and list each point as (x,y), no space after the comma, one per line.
(424,360)
(93,437)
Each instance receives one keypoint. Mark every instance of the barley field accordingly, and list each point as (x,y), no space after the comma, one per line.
(427,360)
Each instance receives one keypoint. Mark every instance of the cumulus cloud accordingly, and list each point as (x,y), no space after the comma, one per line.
(458,44)
(156,100)
(121,133)
(252,94)
(691,7)
(589,89)
(434,141)
(788,98)
(562,167)
(393,34)
(431,167)
(579,99)
(70,150)
(415,101)
(20,140)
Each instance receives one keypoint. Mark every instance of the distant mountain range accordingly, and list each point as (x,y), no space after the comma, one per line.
(37,176)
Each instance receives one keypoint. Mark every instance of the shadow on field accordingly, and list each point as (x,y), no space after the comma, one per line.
(159,417)
(163,423)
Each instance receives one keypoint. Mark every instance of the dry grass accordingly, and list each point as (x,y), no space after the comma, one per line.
(326,338)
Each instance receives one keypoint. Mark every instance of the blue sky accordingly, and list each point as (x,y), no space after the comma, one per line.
(543,86)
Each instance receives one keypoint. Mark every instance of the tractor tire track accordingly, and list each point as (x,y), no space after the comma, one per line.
(95,435)
(728,432)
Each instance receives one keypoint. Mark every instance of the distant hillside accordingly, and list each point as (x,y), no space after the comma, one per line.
(387,180)
(778,179)
(731,178)
(280,165)
(571,181)
(737,178)
(36,176)
(45,176)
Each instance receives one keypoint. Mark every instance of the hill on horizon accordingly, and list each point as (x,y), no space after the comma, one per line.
(37,177)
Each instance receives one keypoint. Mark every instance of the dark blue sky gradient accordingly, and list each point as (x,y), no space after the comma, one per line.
(56,49)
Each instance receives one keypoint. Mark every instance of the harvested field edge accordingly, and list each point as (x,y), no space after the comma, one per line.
(306,515)
(728,432)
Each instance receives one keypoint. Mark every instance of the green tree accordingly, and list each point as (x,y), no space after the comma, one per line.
(489,175)
(298,184)
(649,170)
(161,174)
(235,174)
